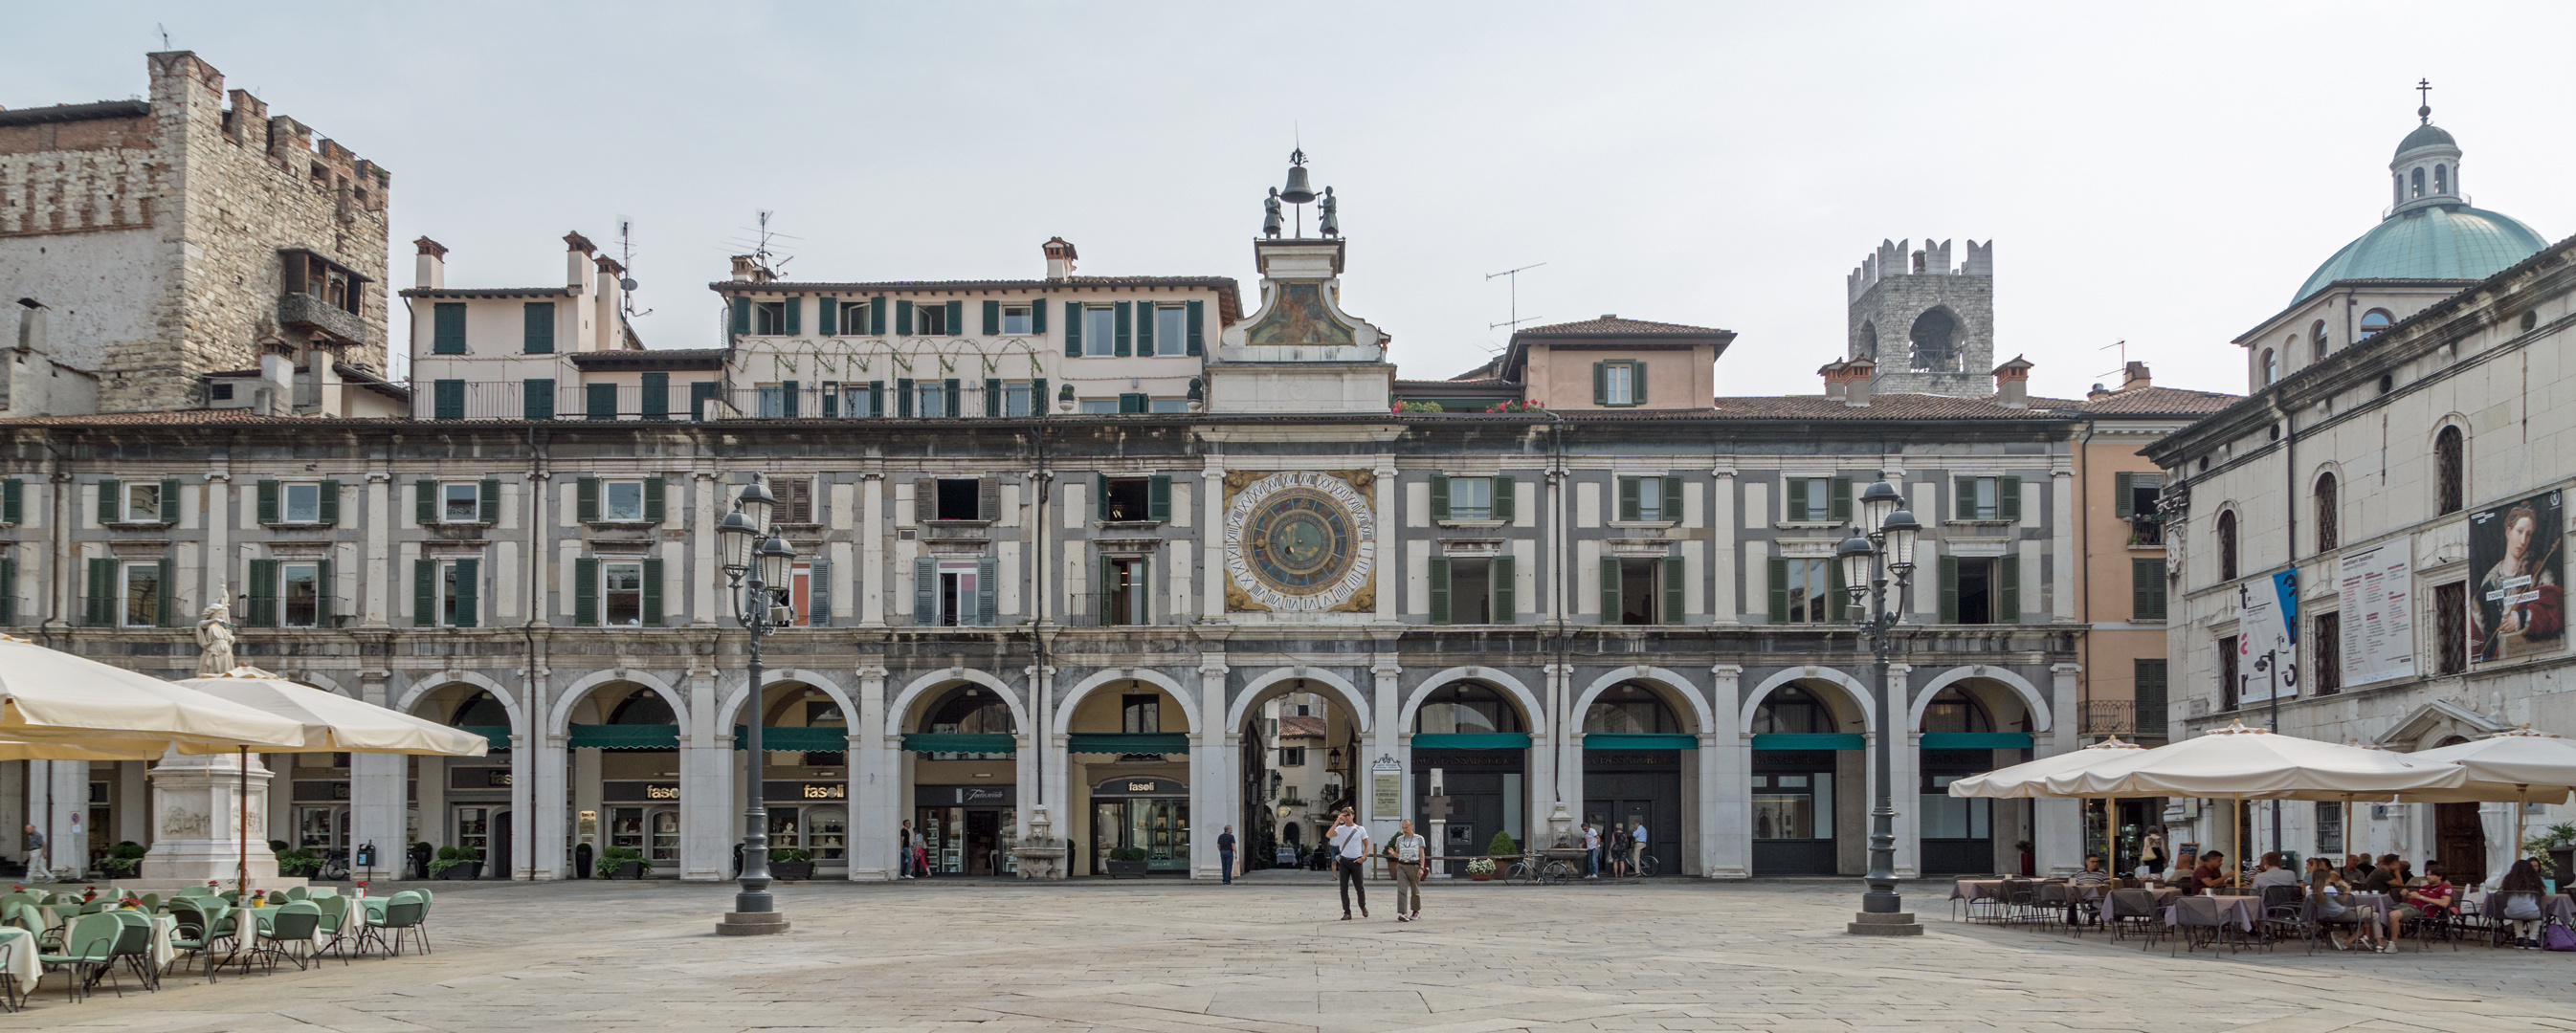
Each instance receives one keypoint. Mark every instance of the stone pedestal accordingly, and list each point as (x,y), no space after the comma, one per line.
(1560,827)
(751,923)
(1901,923)
(197,826)
(1042,861)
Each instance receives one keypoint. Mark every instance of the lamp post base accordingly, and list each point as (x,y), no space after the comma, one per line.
(1865,923)
(751,923)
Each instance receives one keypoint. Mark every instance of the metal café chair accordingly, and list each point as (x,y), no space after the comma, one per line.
(2194,915)
(2021,896)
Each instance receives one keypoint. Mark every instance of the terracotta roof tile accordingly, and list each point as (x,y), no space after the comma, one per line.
(1616,326)
(1302,727)
(185,417)
(2158,401)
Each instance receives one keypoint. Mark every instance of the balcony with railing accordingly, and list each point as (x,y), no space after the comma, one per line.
(2146,530)
(2122,718)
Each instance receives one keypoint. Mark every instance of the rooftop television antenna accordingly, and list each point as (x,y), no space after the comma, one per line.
(2123,345)
(626,258)
(1515,275)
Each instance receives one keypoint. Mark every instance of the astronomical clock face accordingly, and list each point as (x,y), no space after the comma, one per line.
(1299,541)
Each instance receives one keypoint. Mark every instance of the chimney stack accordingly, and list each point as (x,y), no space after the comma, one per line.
(1858,376)
(1059,258)
(2135,376)
(746,269)
(431,270)
(577,269)
(2012,384)
(1832,372)
(31,326)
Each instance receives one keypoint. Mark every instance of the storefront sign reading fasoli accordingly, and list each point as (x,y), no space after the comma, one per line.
(827,791)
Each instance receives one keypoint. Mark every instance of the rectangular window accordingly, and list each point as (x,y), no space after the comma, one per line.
(1099,335)
(1986,498)
(1989,504)
(142,502)
(1126,594)
(1471,498)
(1650,500)
(1015,320)
(599,401)
(931,396)
(769,317)
(1471,589)
(930,319)
(795,499)
(859,401)
(621,501)
(2330,828)
(299,503)
(2451,627)
(1618,386)
(539,326)
(448,328)
(452,594)
(460,502)
(1811,595)
(2227,673)
(299,591)
(1976,591)
(447,399)
(1811,499)
(854,317)
(1126,498)
(1638,592)
(1016,399)
(1140,713)
(143,602)
(621,595)
(960,498)
(1169,405)
(2325,653)
(1171,330)
(1099,406)
(1292,756)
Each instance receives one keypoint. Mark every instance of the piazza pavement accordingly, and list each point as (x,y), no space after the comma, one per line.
(1269,954)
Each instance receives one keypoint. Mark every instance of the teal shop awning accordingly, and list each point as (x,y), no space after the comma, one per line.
(811,740)
(1632,741)
(959,742)
(1128,742)
(625,737)
(1471,740)
(1976,740)
(1808,741)
(497,735)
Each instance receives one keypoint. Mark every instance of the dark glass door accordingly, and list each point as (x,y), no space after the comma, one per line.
(1793,813)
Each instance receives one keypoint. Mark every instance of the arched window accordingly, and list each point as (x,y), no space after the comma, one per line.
(2271,367)
(973,710)
(1934,338)
(1467,707)
(2441,179)
(1956,711)
(2417,181)
(1630,708)
(2317,334)
(1792,710)
(1869,341)
(2448,471)
(2329,518)
(2375,321)
(2227,546)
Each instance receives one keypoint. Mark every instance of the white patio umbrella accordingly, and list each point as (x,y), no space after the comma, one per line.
(47,694)
(2518,766)
(83,749)
(2029,779)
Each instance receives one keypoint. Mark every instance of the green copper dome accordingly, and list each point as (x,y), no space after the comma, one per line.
(2427,135)
(2436,242)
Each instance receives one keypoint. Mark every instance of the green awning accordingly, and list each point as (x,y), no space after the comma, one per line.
(498,735)
(1471,740)
(1976,740)
(1808,741)
(1129,742)
(1633,741)
(811,740)
(960,742)
(625,737)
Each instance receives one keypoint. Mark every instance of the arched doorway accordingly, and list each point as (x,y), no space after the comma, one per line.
(1301,752)
(1970,727)
(964,752)
(623,759)
(1808,801)
(1634,747)
(805,784)
(1127,748)
(457,801)
(2460,837)
(1471,742)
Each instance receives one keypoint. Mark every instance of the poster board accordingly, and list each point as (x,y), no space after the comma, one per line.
(2374,591)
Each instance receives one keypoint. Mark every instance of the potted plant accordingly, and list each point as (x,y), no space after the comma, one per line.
(791,864)
(453,859)
(299,862)
(1125,862)
(623,862)
(123,861)
(2553,849)
(2028,862)
(1481,869)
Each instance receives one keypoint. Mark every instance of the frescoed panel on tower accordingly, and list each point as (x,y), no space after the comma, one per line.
(1300,541)
(1300,317)
(2518,606)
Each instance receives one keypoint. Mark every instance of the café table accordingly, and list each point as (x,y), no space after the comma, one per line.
(2244,910)
(20,945)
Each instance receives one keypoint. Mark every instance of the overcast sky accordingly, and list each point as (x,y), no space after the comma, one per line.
(2159,174)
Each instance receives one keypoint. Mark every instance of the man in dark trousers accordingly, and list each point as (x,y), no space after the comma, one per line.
(1225,853)
(1350,841)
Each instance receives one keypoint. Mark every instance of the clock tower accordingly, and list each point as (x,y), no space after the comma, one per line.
(1300,353)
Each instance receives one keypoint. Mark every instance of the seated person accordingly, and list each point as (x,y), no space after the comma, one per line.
(2382,876)
(2273,874)
(2522,906)
(2330,893)
(2209,874)
(2357,868)
(2081,903)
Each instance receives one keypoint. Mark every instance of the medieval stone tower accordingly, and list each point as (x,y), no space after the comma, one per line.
(1930,327)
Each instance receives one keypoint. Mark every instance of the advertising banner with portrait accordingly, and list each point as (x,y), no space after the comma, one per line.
(2517,602)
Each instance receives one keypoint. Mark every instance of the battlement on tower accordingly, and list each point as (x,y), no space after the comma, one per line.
(1926,324)
(1895,258)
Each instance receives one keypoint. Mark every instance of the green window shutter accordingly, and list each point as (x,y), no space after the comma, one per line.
(1073,329)
(1439,589)
(1131,402)
(700,393)
(1965,488)
(827,316)
(2147,589)
(1124,343)
(1610,602)
(956,399)
(2124,498)
(1672,585)
(1158,498)
(102,592)
(1503,576)
(1842,500)
(262,609)
(925,591)
(488,499)
(538,321)
(1037,316)
(1636,383)
(657,396)
(992,318)
(795,308)
(1439,496)
(903,317)
(322,593)
(1779,590)
(1837,594)
(1506,496)
(653,591)
(1144,328)
(169,500)
(1628,498)
(1949,590)
(818,592)
(790,393)
(110,508)
(586,500)
(956,318)
(599,401)
(163,600)
(8,592)
(876,315)
(992,397)
(653,501)
(1672,500)
(1100,495)
(741,315)
(425,502)
(424,593)
(988,574)
(903,397)
(1600,383)
(2007,589)
(267,502)
(876,398)
(448,336)
(2008,497)
(13,501)
(469,591)
(537,400)
(330,504)
(2151,695)
(585,592)
(447,399)
(1040,403)
(1142,572)
(1197,318)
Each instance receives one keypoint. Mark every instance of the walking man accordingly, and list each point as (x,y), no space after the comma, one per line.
(1637,849)
(37,868)
(1350,860)
(1225,853)
(1592,849)
(904,848)
(1411,859)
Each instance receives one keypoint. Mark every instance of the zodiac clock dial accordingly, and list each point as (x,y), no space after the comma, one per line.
(1300,541)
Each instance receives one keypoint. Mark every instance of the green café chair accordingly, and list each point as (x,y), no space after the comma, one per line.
(151,903)
(297,893)
(134,948)
(427,900)
(335,926)
(202,925)
(402,915)
(89,945)
(291,933)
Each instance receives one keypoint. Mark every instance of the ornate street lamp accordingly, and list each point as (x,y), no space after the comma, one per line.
(756,556)
(1878,558)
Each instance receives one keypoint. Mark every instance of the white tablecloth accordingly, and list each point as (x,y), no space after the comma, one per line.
(22,957)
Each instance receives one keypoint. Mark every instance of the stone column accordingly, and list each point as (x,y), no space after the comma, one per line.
(872,545)
(1386,674)
(2057,826)
(1726,782)
(711,798)
(1215,789)
(374,607)
(1906,777)
(2061,584)
(876,783)
(377,786)
(218,554)
(197,813)
(1542,796)
(707,607)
